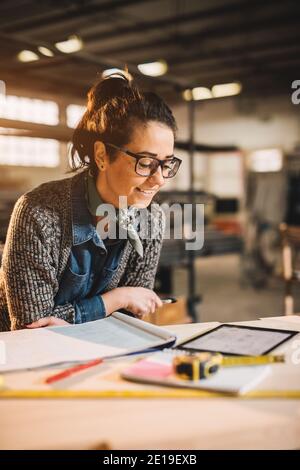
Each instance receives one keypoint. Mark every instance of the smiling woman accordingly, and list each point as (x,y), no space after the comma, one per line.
(56,267)
(119,115)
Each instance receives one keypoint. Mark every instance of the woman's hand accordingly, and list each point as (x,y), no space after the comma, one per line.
(138,300)
(47,321)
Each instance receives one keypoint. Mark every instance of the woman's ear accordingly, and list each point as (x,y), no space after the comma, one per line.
(101,157)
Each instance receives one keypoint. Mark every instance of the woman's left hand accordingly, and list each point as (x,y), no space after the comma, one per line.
(47,321)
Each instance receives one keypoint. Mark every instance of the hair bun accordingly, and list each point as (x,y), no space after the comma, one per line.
(117,85)
(115,108)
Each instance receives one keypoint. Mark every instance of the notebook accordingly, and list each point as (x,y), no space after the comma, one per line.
(113,336)
(157,369)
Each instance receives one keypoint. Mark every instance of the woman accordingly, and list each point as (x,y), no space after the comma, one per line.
(56,269)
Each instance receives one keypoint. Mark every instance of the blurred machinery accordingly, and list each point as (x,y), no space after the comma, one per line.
(271,198)
(221,236)
(290,263)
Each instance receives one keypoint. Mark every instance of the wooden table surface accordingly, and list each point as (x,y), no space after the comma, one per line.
(214,423)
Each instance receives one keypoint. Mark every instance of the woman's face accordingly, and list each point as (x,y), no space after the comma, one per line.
(118,178)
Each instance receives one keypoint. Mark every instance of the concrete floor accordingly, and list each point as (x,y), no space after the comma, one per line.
(224,299)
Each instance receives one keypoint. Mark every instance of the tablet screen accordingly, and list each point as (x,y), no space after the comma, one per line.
(239,340)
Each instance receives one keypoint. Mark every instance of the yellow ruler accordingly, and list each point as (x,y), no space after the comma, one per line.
(168,393)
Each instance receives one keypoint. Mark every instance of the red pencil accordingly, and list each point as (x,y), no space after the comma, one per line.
(72,370)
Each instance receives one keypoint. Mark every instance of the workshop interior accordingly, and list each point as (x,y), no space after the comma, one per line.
(228,70)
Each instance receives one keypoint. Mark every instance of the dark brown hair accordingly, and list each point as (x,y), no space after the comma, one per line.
(115,105)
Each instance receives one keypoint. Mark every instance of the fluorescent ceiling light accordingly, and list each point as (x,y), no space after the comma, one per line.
(198,93)
(266,160)
(108,72)
(226,89)
(2,91)
(153,69)
(217,91)
(201,93)
(72,44)
(187,94)
(112,71)
(27,56)
(45,51)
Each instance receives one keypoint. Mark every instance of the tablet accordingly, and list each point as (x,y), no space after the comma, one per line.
(238,340)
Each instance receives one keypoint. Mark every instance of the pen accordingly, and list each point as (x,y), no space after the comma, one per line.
(169,300)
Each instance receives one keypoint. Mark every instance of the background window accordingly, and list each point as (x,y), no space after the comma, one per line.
(30,110)
(27,151)
(74,114)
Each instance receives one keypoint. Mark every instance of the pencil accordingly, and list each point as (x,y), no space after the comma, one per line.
(72,370)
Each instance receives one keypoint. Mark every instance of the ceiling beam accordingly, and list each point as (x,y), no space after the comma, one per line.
(191,41)
(236,67)
(55,85)
(233,52)
(30,129)
(64,134)
(80,10)
(181,20)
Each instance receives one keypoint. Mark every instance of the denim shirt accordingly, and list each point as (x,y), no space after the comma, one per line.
(91,264)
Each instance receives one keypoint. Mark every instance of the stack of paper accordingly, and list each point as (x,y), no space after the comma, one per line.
(116,335)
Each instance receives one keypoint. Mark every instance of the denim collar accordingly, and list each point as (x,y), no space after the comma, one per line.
(83,228)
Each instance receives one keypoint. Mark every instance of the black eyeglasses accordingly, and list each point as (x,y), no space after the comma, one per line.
(147,166)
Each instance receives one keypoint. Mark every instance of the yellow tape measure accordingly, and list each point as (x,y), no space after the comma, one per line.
(202,365)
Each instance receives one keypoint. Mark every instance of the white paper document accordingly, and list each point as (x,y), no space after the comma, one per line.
(116,335)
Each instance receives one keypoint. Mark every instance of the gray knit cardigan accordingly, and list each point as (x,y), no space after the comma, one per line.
(38,245)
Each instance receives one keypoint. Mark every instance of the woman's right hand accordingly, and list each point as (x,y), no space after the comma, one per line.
(138,300)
